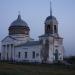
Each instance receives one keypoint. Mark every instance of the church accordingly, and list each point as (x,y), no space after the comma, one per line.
(18,46)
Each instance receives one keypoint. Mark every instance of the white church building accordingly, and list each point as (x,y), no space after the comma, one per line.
(18,46)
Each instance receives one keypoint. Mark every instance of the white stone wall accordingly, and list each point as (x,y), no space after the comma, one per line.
(58,45)
(54,44)
(51,56)
(29,51)
(10,47)
(7,48)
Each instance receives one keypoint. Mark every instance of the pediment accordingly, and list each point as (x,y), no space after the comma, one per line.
(9,39)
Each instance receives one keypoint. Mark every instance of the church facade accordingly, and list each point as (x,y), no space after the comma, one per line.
(20,47)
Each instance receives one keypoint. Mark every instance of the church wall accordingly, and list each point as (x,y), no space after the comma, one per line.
(61,49)
(51,50)
(61,53)
(59,46)
(29,50)
(52,53)
(7,48)
(51,56)
(55,44)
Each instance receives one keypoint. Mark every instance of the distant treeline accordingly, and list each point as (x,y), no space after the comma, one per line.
(70,59)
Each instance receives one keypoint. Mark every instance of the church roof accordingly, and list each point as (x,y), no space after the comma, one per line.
(51,18)
(7,37)
(30,43)
(46,35)
(19,22)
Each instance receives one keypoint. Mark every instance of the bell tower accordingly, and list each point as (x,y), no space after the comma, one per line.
(51,23)
(52,43)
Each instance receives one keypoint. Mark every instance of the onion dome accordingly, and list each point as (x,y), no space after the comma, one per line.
(19,27)
(19,22)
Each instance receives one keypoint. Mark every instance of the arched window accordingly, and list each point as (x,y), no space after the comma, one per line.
(33,55)
(55,29)
(25,54)
(19,54)
(48,27)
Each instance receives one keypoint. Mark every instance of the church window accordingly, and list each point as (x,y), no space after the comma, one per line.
(0,56)
(25,54)
(19,54)
(33,55)
(48,27)
(55,29)
(37,54)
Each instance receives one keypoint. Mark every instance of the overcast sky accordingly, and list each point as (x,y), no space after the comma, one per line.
(34,12)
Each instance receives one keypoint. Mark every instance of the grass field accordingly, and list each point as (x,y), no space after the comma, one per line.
(33,69)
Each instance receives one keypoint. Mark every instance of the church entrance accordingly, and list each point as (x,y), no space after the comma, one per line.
(56,55)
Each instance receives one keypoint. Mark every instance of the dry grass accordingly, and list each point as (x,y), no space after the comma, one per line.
(33,69)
